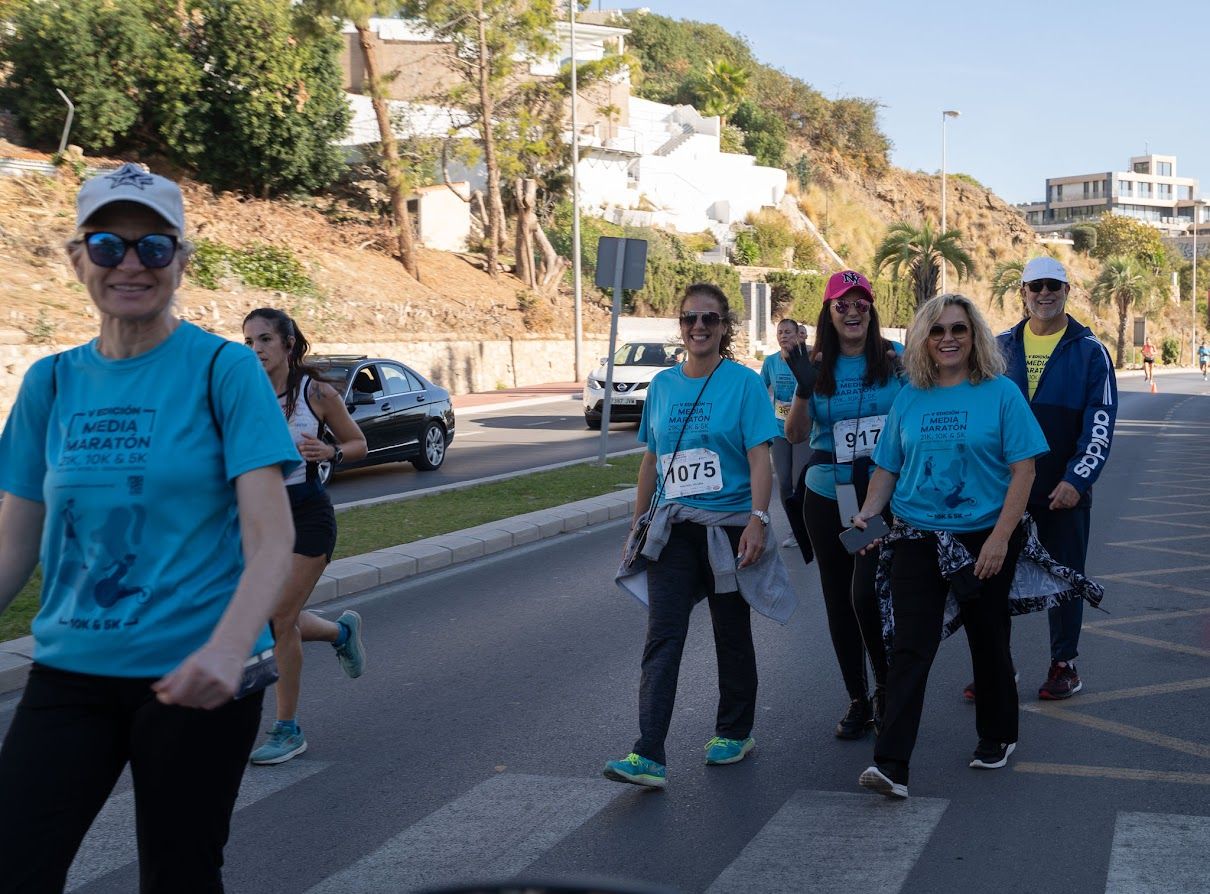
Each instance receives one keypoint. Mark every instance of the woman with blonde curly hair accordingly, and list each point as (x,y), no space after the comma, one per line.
(956,462)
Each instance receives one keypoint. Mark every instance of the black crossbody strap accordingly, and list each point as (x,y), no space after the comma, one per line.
(210,388)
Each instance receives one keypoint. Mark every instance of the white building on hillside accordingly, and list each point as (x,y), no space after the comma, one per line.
(642,162)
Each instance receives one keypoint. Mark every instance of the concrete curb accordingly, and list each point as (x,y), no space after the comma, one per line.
(357,574)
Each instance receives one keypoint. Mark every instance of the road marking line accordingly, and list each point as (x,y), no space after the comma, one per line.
(1126,574)
(1167,501)
(1159,853)
(493,831)
(1120,729)
(1152,642)
(1163,549)
(1147,618)
(1156,585)
(1158,540)
(827,841)
(1126,773)
(110,844)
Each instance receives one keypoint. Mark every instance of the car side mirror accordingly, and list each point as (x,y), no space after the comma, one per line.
(361,399)
(604,361)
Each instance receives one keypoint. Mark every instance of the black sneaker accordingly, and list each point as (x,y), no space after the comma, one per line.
(856,720)
(992,755)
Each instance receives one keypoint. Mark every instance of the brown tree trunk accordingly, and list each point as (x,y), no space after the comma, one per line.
(495,216)
(552,266)
(1123,312)
(526,198)
(396,182)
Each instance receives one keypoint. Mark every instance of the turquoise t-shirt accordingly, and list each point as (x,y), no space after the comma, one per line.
(141,546)
(732,417)
(951,448)
(852,400)
(778,379)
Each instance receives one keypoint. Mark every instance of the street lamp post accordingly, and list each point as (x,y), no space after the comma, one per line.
(1193,296)
(948,113)
(575,204)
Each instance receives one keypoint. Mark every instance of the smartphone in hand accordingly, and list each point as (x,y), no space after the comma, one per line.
(856,539)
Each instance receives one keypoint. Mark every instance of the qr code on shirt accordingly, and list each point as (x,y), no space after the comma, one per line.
(134,484)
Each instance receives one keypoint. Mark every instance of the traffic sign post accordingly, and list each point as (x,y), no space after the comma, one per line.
(621,264)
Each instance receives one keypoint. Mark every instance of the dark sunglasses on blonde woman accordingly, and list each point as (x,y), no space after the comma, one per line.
(710,318)
(958,330)
(155,250)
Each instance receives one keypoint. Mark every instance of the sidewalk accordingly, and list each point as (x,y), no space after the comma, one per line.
(508,398)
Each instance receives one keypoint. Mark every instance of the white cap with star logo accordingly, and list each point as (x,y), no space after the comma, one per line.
(131,183)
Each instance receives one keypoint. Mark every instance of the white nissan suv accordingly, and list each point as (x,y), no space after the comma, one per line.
(634,366)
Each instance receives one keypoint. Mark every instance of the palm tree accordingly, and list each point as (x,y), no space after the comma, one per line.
(922,251)
(1006,278)
(725,86)
(1122,283)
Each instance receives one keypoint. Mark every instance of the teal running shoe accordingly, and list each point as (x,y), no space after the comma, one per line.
(281,745)
(351,653)
(637,770)
(728,751)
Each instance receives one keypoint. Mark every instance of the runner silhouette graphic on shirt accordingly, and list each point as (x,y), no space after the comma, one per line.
(109,589)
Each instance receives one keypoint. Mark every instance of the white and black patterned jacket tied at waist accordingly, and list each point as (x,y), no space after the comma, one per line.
(764,585)
(1039,582)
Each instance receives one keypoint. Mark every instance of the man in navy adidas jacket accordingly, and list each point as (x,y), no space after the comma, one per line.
(1066,375)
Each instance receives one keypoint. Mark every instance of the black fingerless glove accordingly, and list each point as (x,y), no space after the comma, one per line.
(805,371)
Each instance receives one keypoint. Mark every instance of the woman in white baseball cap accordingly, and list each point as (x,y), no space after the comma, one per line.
(145,467)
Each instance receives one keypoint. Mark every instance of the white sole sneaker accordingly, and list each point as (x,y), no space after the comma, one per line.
(983,764)
(877,781)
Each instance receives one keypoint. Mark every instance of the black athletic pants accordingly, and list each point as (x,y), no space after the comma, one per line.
(72,735)
(919,592)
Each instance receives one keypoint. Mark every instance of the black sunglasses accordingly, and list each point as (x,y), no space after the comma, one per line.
(155,250)
(862,305)
(710,318)
(958,330)
(1036,285)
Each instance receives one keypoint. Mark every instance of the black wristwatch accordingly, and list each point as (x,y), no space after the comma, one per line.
(338,457)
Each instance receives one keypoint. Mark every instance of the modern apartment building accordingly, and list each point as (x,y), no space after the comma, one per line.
(1149,190)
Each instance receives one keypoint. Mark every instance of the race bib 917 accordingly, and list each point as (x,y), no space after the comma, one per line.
(854,438)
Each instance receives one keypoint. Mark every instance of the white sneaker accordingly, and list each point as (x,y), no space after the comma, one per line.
(877,781)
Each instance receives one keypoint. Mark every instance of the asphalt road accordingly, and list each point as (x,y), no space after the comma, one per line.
(472,747)
(492,443)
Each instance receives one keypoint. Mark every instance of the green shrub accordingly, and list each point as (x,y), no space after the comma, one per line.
(1084,237)
(700,242)
(1170,351)
(774,237)
(258,266)
(745,251)
(797,295)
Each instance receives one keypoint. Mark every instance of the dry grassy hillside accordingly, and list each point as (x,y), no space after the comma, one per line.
(363,294)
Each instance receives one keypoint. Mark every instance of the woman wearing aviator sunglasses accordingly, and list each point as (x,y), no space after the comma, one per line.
(703,493)
(842,402)
(955,462)
(147,463)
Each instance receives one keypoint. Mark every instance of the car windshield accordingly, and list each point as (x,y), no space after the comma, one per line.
(648,354)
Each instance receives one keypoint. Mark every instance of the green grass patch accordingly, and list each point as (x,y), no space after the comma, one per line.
(369,528)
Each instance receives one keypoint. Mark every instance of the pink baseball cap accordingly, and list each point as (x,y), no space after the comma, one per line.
(846,281)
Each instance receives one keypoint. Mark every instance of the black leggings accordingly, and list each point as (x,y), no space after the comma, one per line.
(848,596)
(71,736)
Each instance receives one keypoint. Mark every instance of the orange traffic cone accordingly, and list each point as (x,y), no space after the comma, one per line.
(1154,390)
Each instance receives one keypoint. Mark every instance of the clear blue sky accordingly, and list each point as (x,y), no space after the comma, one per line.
(1046,89)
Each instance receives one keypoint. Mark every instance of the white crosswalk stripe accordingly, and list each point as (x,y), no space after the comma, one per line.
(1159,853)
(110,843)
(834,841)
(493,831)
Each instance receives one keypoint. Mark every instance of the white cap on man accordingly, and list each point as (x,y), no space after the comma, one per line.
(1044,267)
(131,183)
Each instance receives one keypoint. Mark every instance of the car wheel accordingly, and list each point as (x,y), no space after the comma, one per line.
(432,448)
(594,424)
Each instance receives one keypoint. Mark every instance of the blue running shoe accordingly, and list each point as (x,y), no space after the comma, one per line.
(282,744)
(352,652)
(637,770)
(728,751)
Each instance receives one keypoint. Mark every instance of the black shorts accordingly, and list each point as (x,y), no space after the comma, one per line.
(1149,360)
(314,522)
